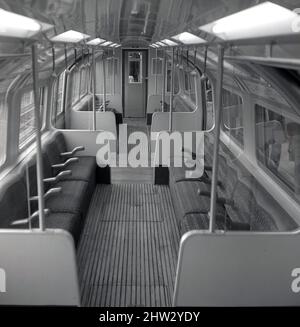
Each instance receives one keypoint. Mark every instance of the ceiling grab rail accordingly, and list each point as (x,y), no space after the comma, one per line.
(104,83)
(39,158)
(171,92)
(218,119)
(163,93)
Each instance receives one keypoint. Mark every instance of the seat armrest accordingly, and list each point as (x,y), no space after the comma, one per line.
(72,152)
(66,163)
(27,220)
(58,176)
(48,194)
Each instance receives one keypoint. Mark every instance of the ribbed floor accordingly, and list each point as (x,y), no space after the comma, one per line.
(127,255)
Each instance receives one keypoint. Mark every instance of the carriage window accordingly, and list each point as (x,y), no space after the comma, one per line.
(135,67)
(82,83)
(57,98)
(210,117)
(3,128)
(157,66)
(233,116)
(189,86)
(168,79)
(187,81)
(26,119)
(278,146)
(76,85)
(112,66)
(60,89)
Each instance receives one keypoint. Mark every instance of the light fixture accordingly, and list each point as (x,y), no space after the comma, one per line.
(188,38)
(45,26)
(18,26)
(113,45)
(70,37)
(263,20)
(169,42)
(105,44)
(96,41)
(161,44)
(118,45)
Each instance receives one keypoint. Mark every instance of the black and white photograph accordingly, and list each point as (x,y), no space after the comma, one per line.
(149,159)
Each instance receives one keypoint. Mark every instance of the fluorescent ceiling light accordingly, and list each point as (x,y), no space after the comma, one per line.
(105,44)
(18,26)
(169,42)
(265,19)
(45,26)
(70,37)
(161,44)
(118,45)
(113,45)
(188,38)
(96,41)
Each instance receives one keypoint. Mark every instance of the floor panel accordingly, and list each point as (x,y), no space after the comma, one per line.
(127,255)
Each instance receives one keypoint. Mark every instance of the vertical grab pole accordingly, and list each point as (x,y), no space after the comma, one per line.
(39,159)
(94,89)
(171,93)
(219,108)
(155,79)
(104,84)
(163,95)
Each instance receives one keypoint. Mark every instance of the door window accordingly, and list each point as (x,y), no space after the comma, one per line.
(135,67)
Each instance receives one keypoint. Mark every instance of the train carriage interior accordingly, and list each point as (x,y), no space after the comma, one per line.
(149,153)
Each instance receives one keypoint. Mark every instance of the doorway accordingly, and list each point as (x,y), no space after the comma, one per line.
(135,72)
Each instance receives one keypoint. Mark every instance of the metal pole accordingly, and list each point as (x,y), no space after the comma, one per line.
(155,79)
(219,108)
(94,89)
(163,95)
(39,158)
(104,84)
(171,93)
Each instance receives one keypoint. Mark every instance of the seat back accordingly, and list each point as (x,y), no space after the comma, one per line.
(257,269)
(13,200)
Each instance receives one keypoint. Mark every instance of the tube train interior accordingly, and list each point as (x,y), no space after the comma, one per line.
(149,153)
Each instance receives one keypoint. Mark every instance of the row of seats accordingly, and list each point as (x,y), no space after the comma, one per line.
(69,183)
(242,204)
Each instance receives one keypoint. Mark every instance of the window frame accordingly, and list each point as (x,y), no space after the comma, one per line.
(278,180)
(3,159)
(30,140)
(225,128)
(55,114)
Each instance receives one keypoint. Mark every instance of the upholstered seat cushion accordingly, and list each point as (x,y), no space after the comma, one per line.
(13,201)
(74,197)
(201,222)
(189,200)
(178,174)
(84,170)
(62,220)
